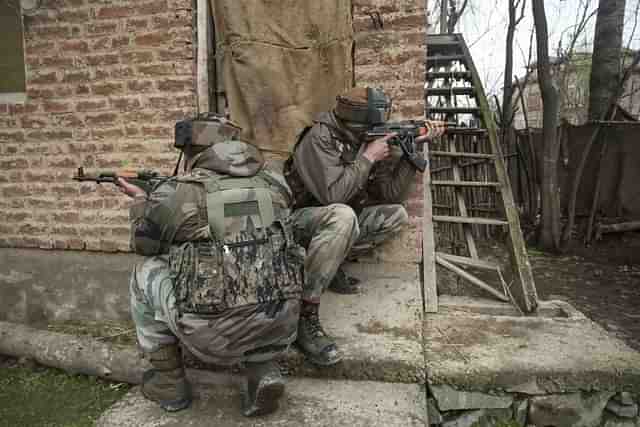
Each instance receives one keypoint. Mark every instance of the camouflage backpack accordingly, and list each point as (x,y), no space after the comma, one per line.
(251,256)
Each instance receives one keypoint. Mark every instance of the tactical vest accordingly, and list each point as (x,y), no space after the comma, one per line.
(251,257)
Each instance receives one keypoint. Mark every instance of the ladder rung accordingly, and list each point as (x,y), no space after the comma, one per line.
(443,91)
(461,154)
(449,74)
(469,220)
(442,59)
(470,262)
(448,39)
(453,110)
(466,183)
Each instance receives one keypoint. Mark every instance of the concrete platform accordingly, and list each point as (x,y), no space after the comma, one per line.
(378,331)
(308,402)
(468,349)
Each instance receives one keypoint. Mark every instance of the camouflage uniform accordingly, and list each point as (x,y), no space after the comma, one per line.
(345,204)
(174,213)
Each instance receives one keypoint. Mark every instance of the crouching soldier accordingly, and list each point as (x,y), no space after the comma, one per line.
(223,275)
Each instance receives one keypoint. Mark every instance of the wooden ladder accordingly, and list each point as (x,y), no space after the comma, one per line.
(454,92)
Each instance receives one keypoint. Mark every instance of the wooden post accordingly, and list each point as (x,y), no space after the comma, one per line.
(428,242)
(202,70)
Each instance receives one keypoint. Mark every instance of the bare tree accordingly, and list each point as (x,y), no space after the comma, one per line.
(450,14)
(507,96)
(607,61)
(549,237)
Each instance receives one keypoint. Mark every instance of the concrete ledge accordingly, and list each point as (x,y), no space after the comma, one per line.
(307,402)
(527,355)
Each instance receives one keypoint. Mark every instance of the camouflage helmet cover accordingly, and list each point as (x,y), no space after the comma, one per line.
(231,157)
(205,130)
(363,105)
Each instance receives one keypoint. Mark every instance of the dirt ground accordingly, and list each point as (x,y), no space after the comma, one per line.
(602,281)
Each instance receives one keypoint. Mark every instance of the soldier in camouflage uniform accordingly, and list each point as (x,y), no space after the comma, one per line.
(253,332)
(347,200)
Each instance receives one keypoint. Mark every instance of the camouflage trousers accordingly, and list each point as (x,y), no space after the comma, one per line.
(254,333)
(332,233)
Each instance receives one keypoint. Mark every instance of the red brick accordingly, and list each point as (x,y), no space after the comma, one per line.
(131,131)
(125,104)
(106,89)
(76,244)
(51,135)
(36,149)
(82,147)
(69,217)
(120,42)
(33,229)
(31,122)
(69,46)
(37,46)
(152,7)
(36,176)
(172,101)
(157,70)
(100,43)
(39,93)
(103,59)
(11,149)
(153,39)
(107,133)
(67,162)
(17,136)
(65,190)
(137,24)
(140,86)
(173,85)
(65,231)
(74,16)
(50,32)
(69,120)
(115,12)
(4,108)
(101,119)
(43,17)
(83,90)
(57,107)
(175,54)
(157,131)
(64,92)
(14,164)
(43,78)
(409,21)
(102,28)
(76,76)
(16,216)
(137,57)
(15,191)
(84,106)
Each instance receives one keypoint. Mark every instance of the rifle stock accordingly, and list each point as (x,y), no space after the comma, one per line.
(146,179)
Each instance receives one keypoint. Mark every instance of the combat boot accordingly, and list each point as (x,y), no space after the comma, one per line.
(263,388)
(166,383)
(344,284)
(313,341)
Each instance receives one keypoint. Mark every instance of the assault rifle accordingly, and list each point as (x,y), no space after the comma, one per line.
(407,132)
(146,179)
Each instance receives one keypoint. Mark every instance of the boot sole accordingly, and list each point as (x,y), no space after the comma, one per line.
(170,405)
(266,401)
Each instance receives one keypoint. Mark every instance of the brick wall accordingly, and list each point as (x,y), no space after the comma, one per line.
(394,57)
(107,79)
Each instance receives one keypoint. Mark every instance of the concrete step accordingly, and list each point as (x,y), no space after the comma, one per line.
(307,402)
(379,331)
(477,346)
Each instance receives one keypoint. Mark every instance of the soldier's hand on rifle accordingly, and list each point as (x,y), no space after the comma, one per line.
(379,149)
(434,128)
(129,189)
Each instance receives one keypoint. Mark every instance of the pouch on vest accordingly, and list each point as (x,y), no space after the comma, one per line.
(252,257)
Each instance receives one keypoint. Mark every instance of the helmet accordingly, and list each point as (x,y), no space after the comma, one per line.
(204,130)
(363,106)
(230,157)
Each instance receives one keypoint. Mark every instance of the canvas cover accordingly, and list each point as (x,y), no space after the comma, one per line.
(283,61)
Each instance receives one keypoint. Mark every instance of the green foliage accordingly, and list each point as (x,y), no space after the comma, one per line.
(52,398)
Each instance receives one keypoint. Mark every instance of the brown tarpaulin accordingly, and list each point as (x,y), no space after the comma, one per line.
(283,61)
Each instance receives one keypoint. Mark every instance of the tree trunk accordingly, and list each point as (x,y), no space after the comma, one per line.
(549,237)
(607,60)
(443,16)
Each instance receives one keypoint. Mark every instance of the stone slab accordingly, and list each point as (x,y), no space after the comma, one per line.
(529,355)
(308,402)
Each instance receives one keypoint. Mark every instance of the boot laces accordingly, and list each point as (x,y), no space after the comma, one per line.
(313,325)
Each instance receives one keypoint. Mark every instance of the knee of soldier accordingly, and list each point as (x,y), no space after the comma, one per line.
(344,219)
